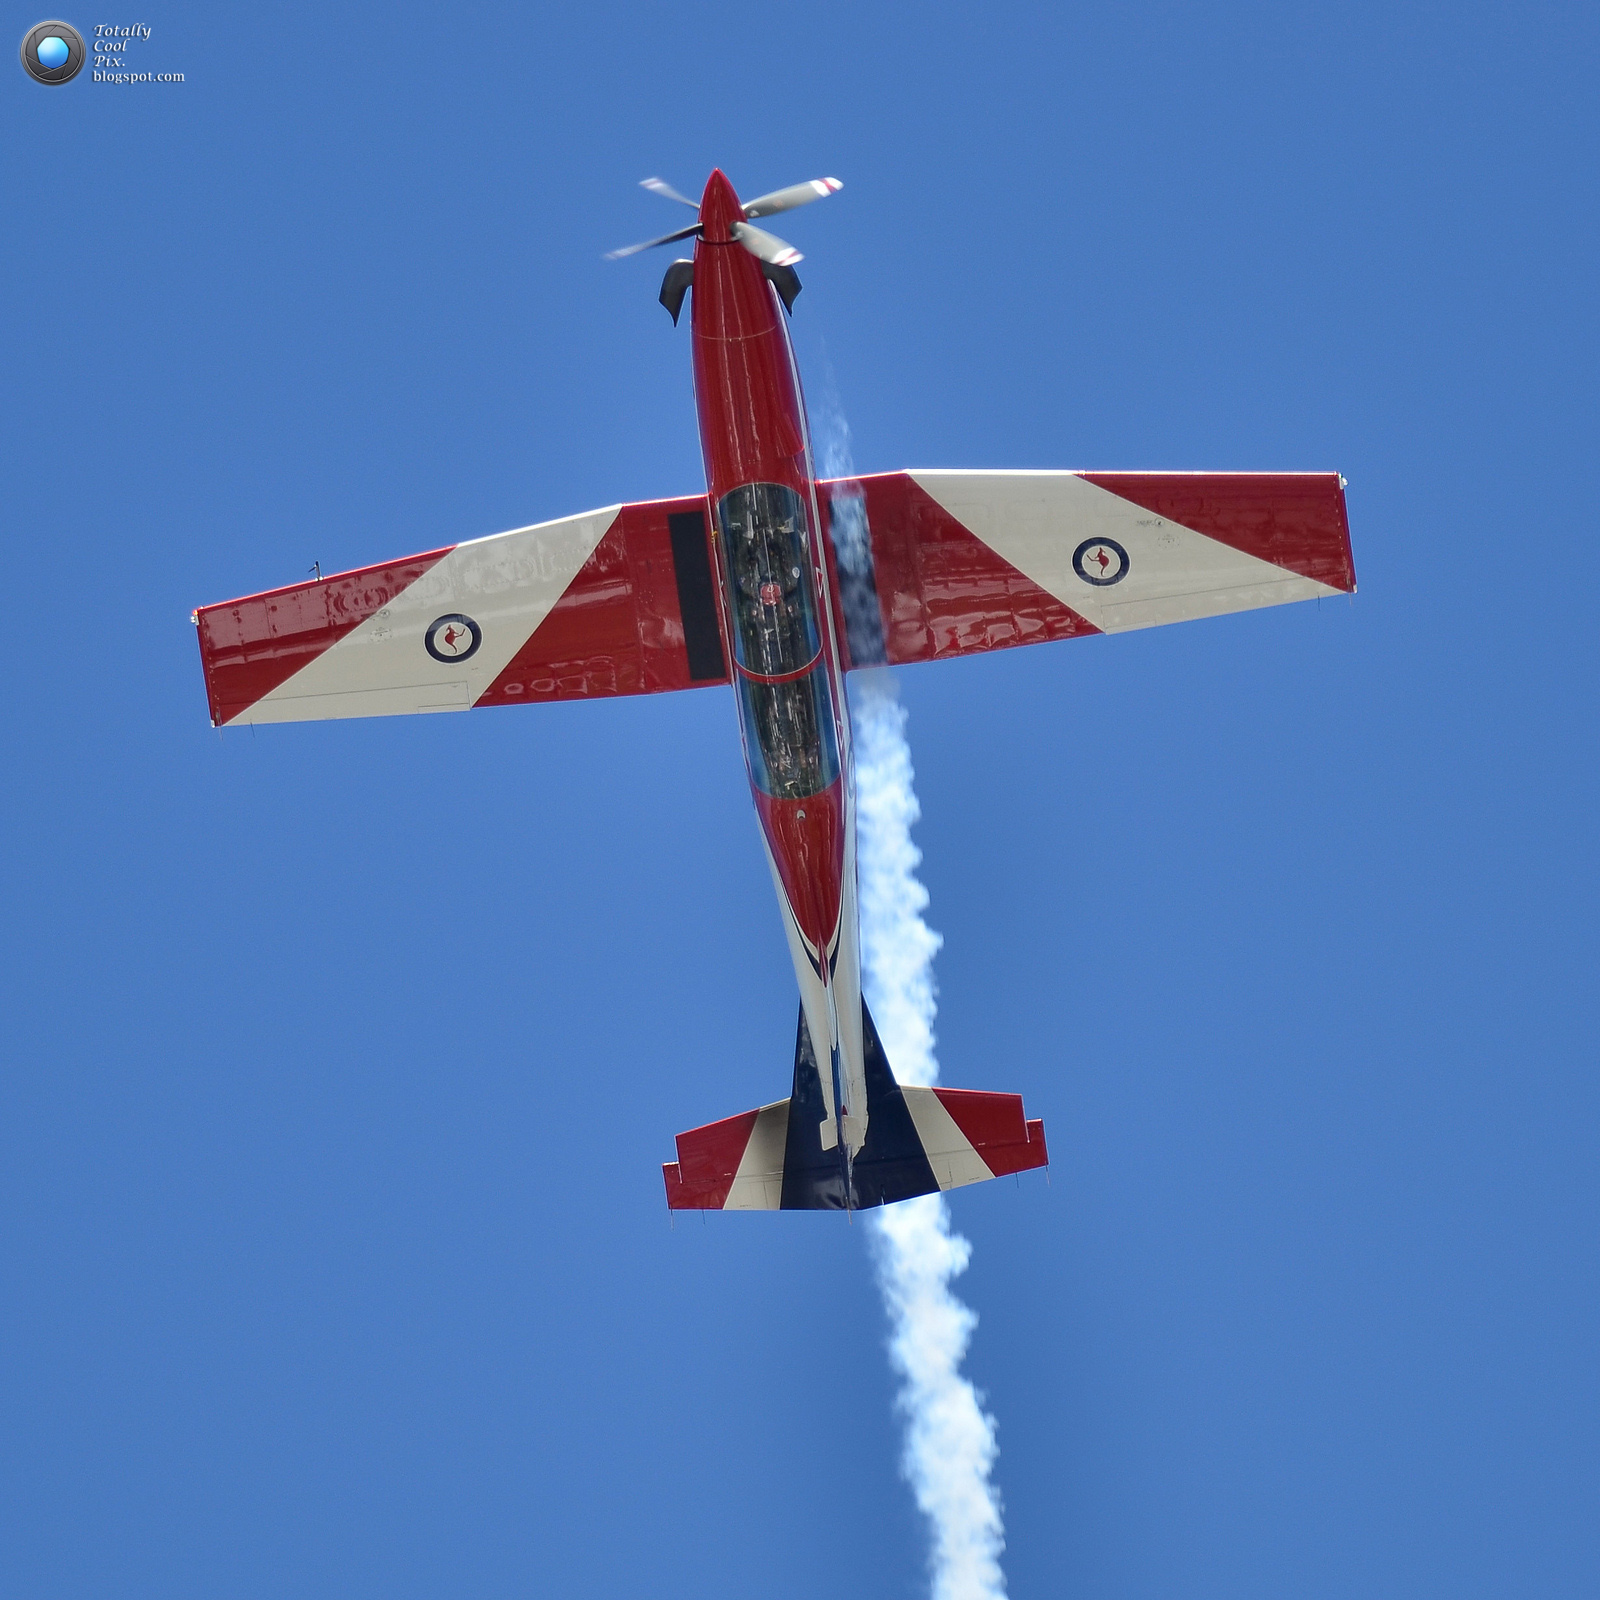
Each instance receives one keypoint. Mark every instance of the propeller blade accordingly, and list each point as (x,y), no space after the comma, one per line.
(667,192)
(798,194)
(650,244)
(767,246)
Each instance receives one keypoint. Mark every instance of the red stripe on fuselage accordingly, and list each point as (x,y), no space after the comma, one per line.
(753,430)
(807,839)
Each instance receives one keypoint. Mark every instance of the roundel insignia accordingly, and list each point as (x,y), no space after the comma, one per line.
(1101,562)
(453,638)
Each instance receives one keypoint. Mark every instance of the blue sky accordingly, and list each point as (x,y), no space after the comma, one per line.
(342,1058)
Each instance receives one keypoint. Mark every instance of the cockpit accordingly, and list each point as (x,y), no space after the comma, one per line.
(767,567)
(766,564)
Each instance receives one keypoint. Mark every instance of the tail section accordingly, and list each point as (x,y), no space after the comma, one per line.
(919,1141)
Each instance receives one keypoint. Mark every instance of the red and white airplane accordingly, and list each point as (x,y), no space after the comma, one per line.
(779,585)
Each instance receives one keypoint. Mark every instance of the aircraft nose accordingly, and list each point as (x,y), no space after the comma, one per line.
(719,207)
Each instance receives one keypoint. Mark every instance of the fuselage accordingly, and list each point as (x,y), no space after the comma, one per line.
(778,631)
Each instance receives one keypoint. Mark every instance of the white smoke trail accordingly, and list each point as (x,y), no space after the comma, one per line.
(950,1439)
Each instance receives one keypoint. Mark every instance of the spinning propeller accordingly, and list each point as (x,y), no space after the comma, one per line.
(761,244)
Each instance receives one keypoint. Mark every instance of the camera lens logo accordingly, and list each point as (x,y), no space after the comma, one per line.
(53,52)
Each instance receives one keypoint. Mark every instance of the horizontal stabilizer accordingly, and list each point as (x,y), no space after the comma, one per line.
(919,1141)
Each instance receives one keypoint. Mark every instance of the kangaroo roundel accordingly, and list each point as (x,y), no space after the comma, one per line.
(453,638)
(1101,562)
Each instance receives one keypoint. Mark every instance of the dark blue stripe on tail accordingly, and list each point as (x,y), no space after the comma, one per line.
(890,1165)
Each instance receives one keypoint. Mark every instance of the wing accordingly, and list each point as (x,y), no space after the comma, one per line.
(618,601)
(936,564)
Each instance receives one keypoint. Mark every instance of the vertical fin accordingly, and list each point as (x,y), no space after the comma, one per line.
(890,1166)
(813,1178)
